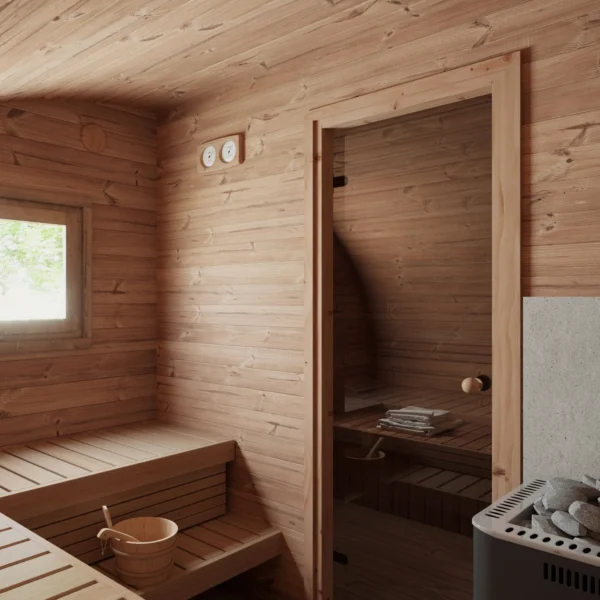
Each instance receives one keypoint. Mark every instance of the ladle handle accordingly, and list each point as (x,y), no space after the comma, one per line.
(107,516)
(374,448)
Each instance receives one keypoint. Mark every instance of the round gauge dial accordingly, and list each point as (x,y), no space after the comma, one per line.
(229,151)
(209,156)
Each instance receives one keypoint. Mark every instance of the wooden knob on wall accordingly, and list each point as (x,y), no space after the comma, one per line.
(472,385)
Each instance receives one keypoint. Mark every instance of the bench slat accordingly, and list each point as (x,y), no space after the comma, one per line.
(143,454)
(186,560)
(132,442)
(20,552)
(25,469)
(111,446)
(75,458)
(10,537)
(31,570)
(55,465)
(251,524)
(55,585)
(115,460)
(160,437)
(197,547)
(12,482)
(229,531)
(95,592)
(212,538)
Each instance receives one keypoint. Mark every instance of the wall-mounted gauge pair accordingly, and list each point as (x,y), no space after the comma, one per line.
(230,152)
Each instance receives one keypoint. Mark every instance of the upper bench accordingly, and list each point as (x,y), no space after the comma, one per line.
(57,473)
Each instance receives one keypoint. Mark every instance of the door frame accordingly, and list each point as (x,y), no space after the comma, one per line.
(501,78)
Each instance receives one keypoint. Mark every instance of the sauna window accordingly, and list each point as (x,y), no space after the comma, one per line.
(42,264)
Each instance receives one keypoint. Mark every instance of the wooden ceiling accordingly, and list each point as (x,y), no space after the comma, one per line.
(163,53)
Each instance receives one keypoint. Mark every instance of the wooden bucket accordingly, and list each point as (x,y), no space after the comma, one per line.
(149,561)
(364,476)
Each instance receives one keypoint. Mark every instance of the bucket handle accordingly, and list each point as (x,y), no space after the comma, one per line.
(107,534)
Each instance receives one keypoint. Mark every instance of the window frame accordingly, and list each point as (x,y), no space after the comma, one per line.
(75,330)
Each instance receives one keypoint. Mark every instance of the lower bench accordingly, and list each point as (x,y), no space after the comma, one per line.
(186,483)
(210,554)
(439,497)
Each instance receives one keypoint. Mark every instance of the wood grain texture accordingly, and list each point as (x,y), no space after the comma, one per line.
(50,154)
(507,411)
(212,546)
(210,553)
(473,439)
(421,250)
(500,77)
(34,568)
(254,213)
(119,459)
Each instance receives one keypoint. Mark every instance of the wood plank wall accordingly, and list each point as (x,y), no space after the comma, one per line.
(72,150)
(416,219)
(231,308)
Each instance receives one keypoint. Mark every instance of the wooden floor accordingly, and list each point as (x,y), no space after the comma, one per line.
(395,559)
(474,437)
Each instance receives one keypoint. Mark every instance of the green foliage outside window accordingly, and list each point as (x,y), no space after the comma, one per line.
(32,254)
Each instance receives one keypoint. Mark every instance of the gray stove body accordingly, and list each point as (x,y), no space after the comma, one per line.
(513,563)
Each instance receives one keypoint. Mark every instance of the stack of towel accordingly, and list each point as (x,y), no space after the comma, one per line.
(423,421)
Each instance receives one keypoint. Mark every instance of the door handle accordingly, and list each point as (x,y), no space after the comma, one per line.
(474,385)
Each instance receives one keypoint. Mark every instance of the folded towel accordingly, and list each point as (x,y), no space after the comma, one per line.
(407,424)
(419,415)
(426,430)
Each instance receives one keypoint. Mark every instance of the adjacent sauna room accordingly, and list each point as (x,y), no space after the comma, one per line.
(412,254)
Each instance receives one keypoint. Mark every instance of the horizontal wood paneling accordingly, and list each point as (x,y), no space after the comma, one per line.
(415,240)
(251,215)
(44,156)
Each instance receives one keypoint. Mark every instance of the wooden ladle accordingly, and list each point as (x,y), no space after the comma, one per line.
(107,534)
(373,449)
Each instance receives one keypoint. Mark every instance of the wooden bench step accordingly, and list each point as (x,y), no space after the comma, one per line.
(55,488)
(211,553)
(188,500)
(438,497)
(429,494)
(450,482)
(473,439)
(74,470)
(33,568)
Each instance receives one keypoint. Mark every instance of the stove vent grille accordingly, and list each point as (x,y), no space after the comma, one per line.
(571,578)
(513,501)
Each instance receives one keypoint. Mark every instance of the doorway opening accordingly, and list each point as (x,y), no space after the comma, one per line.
(413,207)
(412,258)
